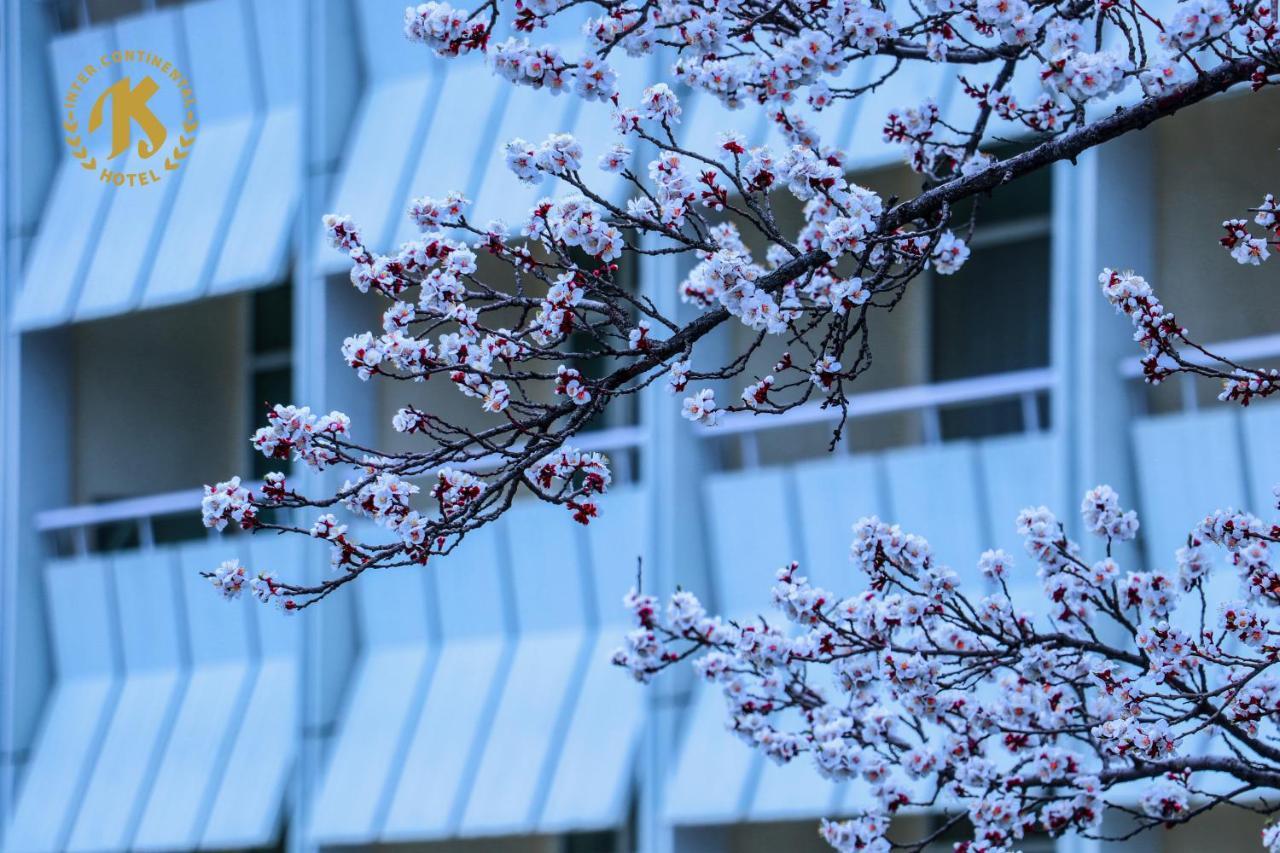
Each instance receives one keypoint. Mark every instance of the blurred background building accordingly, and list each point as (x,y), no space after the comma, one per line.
(470,706)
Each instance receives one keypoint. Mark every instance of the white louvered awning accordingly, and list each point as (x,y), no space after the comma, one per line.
(248,804)
(84,630)
(452,157)
(383,700)
(589,786)
(220,222)
(256,248)
(124,245)
(716,773)
(396,111)
(426,795)
(222,51)
(146,591)
(219,637)
(77,200)
(527,732)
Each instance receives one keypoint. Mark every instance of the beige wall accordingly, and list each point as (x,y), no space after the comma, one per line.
(160,400)
(1215,161)
(1224,830)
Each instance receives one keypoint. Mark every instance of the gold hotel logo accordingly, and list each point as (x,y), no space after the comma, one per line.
(150,97)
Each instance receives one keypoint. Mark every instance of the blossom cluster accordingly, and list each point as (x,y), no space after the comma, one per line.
(1027,712)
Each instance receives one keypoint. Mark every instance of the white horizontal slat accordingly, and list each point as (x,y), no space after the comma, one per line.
(1177,489)
(1169,477)
(147,601)
(1261,423)
(82,619)
(832,494)
(532,116)
(716,774)
(217,688)
(1018,471)
(391,120)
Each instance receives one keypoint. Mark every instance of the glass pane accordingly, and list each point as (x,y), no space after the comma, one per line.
(267,388)
(272,311)
(993,315)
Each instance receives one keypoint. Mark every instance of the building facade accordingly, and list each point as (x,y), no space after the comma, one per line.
(471,706)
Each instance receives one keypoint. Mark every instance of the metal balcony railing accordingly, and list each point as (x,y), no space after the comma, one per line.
(926,400)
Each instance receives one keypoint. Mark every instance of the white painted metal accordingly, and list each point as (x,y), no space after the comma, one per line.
(385,695)
(431,789)
(590,785)
(255,250)
(148,608)
(249,802)
(124,246)
(223,65)
(74,212)
(219,636)
(82,616)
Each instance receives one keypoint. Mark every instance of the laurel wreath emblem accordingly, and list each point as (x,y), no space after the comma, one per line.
(80,150)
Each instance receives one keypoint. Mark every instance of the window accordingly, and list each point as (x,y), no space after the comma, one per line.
(993,315)
(70,15)
(270,364)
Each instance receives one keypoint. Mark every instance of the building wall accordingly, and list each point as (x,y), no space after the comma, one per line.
(158,402)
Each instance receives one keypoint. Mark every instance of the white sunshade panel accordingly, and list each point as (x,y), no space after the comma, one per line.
(832,494)
(792,790)
(742,572)
(1261,426)
(469,107)
(219,636)
(221,61)
(147,604)
(933,492)
(385,693)
(430,789)
(247,807)
(82,620)
(126,243)
(531,115)
(552,600)
(256,247)
(590,787)
(70,223)
(393,119)
(1176,489)
(1167,475)
(1018,471)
